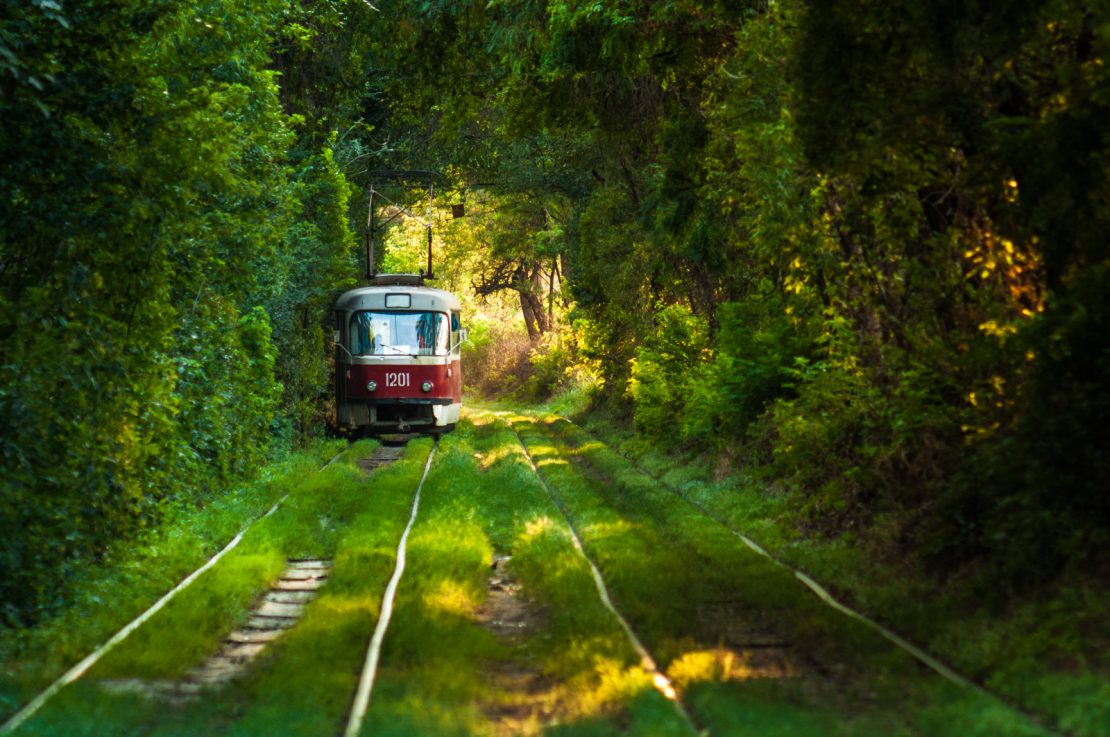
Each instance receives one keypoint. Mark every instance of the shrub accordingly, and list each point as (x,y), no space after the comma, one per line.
(660,371)
(761,347)
(495,358)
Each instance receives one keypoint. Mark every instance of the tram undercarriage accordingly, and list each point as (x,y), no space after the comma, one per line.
(401,416)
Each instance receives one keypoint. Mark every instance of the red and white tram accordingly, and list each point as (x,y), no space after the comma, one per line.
(398,363)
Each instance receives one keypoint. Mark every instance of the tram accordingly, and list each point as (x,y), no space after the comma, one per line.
(398,358)
(398,362)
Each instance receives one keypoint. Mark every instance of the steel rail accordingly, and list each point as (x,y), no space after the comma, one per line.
(385,613)
(920,654)
(659,679)
(90,660)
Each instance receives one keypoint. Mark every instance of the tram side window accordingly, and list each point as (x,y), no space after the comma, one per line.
(456,326)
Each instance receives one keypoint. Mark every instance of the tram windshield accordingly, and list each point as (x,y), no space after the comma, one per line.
(379,333)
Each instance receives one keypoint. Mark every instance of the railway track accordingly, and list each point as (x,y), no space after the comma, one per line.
(659,677)
(1035,721)
(364,693)
(276,612)
(385,612)
(577,583)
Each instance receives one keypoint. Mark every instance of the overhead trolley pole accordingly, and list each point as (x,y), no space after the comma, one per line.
(374,226)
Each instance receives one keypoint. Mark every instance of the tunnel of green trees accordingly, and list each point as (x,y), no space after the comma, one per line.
(860,249)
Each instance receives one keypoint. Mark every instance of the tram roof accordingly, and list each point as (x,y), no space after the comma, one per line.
(374,298)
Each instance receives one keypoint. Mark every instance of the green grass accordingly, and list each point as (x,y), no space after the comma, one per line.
(306,683)
(131,577)
(193,624)
(439,667)
(663,558)
(443,672)
(338,513)
(439,664)
(1046,650)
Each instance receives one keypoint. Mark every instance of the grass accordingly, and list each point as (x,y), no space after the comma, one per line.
(1046,651)
(443,673)
(689,588)
(338,513)
(306,682)
(665,560)
(110,594)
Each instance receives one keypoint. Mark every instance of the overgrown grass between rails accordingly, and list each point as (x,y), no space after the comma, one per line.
(439,664)
(131,577)
(642,533)
(336,513)
(1047,652)
(307,681)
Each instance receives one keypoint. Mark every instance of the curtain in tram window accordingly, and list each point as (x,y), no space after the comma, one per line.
(427,332)
(362,337)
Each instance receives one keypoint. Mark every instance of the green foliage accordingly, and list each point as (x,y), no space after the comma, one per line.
(969,140)
(658,386)
(155,252)
(762,353)
(886,223)
(316,263)
(558,366)
(862,243)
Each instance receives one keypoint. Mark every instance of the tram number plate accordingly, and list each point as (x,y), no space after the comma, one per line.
(396,379)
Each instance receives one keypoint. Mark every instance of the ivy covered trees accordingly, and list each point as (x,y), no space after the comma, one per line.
(160,257)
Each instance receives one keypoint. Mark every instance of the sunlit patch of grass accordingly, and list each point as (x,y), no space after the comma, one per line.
(722,664)
(452,598)
(613,683)
(586,448)
(537,526)
(492,456)
(609,528)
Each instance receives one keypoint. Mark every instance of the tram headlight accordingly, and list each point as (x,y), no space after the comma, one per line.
(371,386)
(426,386)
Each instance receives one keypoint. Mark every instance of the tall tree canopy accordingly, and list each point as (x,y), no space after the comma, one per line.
(863,242)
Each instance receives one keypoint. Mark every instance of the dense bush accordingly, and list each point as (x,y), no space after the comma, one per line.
(762,352)
(660,377)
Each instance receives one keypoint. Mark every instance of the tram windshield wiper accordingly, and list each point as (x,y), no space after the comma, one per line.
(398,351)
